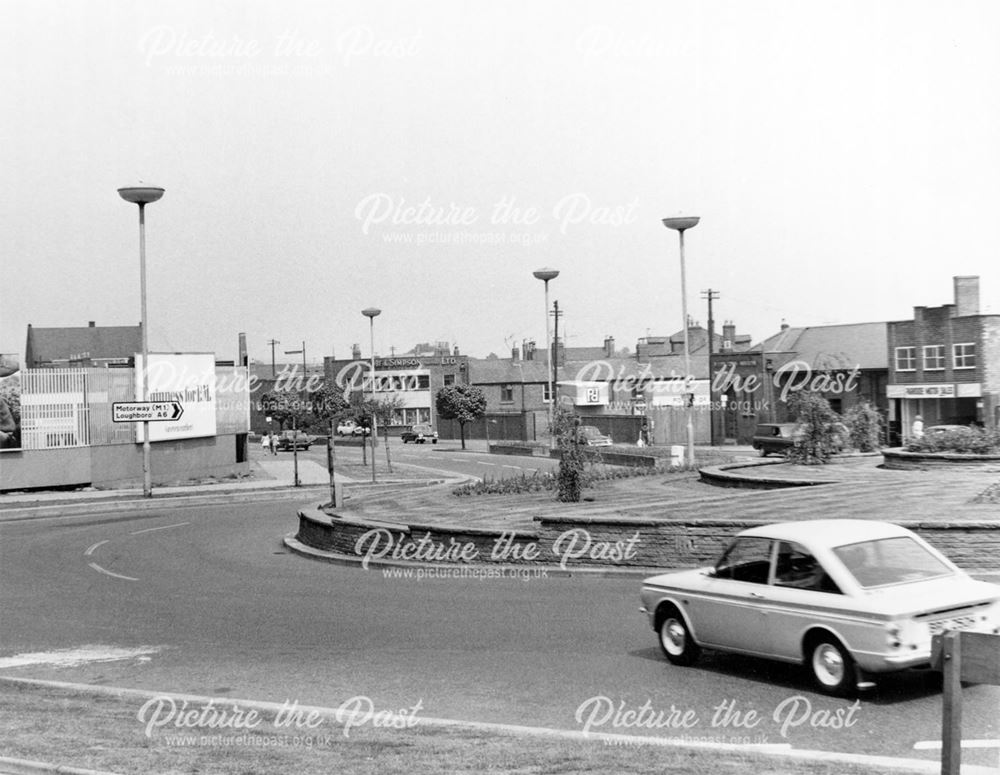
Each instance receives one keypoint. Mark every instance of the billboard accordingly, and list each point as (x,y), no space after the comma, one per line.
(10,401)
(185,378)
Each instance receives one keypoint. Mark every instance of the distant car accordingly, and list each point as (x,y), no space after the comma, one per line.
(295,439)
(419,434)
(592,437)
(346,428)
(940,430)
(844,597)
(361,430)
(774,437)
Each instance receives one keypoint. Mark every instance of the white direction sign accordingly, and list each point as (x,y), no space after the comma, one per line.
(146,411)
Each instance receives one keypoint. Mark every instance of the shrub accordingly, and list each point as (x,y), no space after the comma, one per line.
(817,435)
(864,424)
(967,441)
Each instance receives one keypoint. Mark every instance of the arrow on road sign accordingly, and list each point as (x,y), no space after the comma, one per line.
(146,411)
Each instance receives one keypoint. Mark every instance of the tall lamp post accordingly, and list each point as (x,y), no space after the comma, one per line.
(545,275)
(680,224)
(371,313)
(143,195)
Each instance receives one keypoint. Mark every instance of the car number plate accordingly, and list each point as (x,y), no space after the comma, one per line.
(957,623)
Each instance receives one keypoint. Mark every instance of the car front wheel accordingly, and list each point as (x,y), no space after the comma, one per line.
(831,666)
(675,639)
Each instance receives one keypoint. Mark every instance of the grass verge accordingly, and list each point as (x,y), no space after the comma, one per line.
(105,732)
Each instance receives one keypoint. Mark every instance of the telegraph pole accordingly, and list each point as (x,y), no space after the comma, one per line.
(556,313)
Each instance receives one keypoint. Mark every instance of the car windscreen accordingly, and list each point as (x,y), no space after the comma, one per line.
(886,561)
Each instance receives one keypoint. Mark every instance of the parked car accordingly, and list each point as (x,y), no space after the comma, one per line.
(774,437)
(846,598)
(346,428)
(361,430)
(940,430)
(295,439)
(419,434)
(592,437)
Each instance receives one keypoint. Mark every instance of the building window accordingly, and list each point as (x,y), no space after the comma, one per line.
(423,381)
(906,359)
(507,394)
(449,379)
(546,393)
(964,355)
(934,357)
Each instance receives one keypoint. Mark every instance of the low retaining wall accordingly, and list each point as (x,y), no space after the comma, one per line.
(914,461)
(590,542)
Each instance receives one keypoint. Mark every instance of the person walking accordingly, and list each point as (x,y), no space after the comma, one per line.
(265,442)
(274,443)
(918,427)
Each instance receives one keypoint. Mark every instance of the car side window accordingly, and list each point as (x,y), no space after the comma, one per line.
(746,559)
(797,568)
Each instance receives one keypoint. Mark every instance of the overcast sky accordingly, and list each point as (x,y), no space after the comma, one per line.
(319,158)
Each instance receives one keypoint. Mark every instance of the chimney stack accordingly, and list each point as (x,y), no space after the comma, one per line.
(966,295)
(609,346)
(728,336)
(515,353)
(356,352)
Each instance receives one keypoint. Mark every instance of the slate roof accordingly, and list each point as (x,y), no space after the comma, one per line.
(57,346)
(861,345)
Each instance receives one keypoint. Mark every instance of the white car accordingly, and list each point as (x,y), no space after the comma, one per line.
(844,597)
(347,428)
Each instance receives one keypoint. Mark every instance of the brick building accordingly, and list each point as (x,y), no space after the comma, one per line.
(944,364)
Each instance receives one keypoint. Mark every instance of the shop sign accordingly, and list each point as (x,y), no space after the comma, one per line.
(920,391)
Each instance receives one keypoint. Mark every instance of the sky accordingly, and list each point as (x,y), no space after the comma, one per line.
(425,158)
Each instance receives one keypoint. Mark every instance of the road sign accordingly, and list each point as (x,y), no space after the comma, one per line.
(146,411)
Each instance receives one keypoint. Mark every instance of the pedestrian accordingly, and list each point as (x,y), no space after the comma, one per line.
(274,443)
(265,442)
(918,427)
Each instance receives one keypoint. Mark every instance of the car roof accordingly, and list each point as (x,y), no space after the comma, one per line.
(829,532)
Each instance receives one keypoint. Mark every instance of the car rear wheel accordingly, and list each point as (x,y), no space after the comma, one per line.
(675,639)
(763,452)
(831,666)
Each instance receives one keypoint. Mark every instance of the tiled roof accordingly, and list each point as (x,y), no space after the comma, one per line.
(862,345)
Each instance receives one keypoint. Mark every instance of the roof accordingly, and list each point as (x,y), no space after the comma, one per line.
(848,346)
(487,371)
(834,532)
(47,346)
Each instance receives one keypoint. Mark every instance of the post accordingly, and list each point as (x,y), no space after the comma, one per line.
(331,460)
(687,360)
(951,715)
(295,448)
(147,476)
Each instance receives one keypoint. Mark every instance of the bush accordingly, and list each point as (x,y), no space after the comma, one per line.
(864,424)
(966,441)
(818,435)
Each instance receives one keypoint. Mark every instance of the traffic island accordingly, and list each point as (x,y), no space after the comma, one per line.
(902,460)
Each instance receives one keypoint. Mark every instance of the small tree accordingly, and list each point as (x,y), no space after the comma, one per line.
(865,426)
(465,403)
(285,407)
(569,479)
(385,411)
(815,438)
(328,405)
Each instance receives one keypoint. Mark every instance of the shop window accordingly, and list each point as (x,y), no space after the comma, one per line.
(964,355)
(934,357)
(507,394)
(906,359)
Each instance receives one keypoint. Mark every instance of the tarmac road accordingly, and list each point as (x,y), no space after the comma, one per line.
(209,602)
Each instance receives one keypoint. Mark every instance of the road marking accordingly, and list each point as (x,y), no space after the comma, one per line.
(78,656)
(516,468)
(935,745)
(90,550)
(153,529)
(105,571)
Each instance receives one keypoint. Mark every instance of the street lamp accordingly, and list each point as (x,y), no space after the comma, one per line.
(371,313)
(142,195)
(295,424)
(545,275)
(680,224)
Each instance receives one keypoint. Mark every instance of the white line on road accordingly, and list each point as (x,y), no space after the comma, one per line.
(935,745)
(105,571)
(516,468)
(165,527)
(90,550)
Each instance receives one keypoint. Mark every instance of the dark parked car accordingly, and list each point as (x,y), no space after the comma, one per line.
(419,434)
(774,437)
(592,437)
(293,439)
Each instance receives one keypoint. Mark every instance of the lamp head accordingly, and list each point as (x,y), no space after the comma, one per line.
(546,274)
(681,222)
(371,312)
(140,194)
